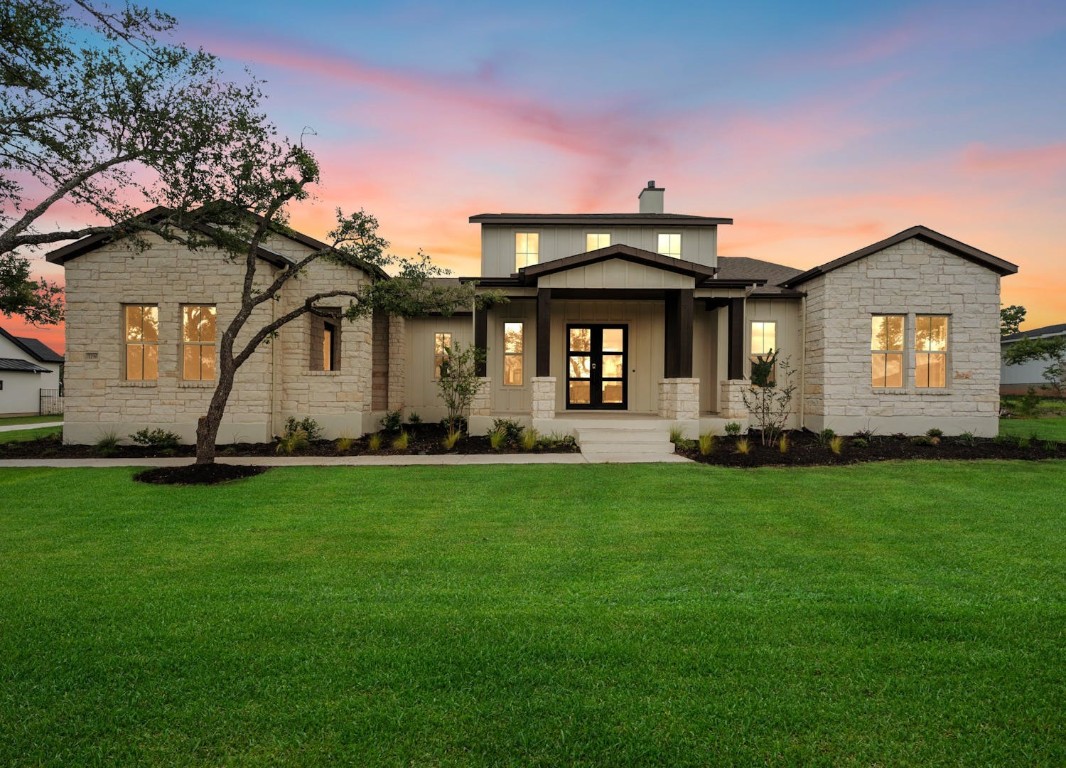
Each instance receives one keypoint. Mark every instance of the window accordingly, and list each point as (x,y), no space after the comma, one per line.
(513,334)
(886,350)
(670,245)
(441,342)
(326,342)
(763,342)
(594,241)
(198,342)
(526,249)
(931,351)
(142,342)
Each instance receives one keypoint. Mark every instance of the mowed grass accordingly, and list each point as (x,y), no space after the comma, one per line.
(883,614)
(7,421)
(22,435)
(1047,428)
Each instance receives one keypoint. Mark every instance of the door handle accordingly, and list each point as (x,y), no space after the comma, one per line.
(593,366)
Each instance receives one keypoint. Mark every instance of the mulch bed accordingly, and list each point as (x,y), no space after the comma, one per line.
(198,474)
(423,439)
(806,450)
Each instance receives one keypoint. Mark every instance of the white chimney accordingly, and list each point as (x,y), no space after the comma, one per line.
(651,198)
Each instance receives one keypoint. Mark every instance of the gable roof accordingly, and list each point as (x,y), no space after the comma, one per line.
(1047,330)
(624,253)
(21,366)
(920,232)
(35,348)
(621,219)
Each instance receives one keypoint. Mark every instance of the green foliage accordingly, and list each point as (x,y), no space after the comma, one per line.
(497,439)
(510,429)
(556,440)
(860,442)
(399,443)
(836,444)
(158,439)
(744,446)
(37,300)
(865,434)
(677,434)
(459,383)
(451,439)
(1055,373)
(934,432)
(924,440)
(392,421)
(414,418)
(769,404)
(373,443)
(107,445)
(825,436)
(1028,404)
(529,440)
(1024,442)
(706,444)
(1011,319)
(293,441)
(343,444)
(732,428)
(308,426)
(783,444)
(968,439)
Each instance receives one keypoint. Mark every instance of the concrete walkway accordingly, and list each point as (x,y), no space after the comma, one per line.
(448,459)
(19,427)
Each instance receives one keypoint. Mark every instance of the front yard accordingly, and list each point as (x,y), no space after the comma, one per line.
(893,614)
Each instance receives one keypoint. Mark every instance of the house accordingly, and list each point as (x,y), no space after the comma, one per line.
(626,319)
(1017,379)
(30,376)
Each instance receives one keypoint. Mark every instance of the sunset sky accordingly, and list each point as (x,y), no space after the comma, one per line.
(819,128)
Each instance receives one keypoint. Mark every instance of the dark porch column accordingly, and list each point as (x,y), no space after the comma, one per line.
(544,326)
(736,339)
(678,342)
(481,338)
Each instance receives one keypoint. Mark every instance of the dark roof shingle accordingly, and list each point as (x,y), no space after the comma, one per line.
(24,366)
(35,348)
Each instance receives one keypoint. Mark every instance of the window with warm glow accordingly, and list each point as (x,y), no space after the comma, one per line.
(931,351)
(670,245)
(441,343)
(513,345)
(325,347)
(763,342)
(198,342)
(886,350)
(526,249)
(594,241)
(142,342)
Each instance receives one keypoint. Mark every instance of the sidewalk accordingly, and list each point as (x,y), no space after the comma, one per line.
(448,459)
(19,427)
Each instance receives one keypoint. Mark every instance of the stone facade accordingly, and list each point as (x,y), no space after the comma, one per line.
(543,397)
(679,399)
(731,400)
(274,383)
(911,278)
(482,402)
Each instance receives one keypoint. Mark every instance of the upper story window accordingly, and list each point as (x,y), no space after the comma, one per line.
(886,350)
(441,343)
(526,249)
(198,342)
(141,323)
(595,240)
(931,351)
(670,245)
(513,344)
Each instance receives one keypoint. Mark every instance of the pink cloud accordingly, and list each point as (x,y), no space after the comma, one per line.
(1043,162)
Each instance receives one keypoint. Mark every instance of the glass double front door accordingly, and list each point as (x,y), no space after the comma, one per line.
(596,367)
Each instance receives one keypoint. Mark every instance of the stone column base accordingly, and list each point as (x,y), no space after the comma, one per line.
(731,401)
(679,399)
(482,402)
(543,397)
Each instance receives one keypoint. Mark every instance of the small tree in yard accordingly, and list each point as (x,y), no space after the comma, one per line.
(770,405)
(459,383)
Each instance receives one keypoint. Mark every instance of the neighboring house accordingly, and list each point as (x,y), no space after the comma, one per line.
(30,376)
(1017,379)
(629,316)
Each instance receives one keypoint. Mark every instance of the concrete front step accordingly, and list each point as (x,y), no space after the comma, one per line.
(640,446)
(649,439)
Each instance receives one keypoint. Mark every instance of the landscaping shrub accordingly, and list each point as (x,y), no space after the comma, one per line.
(107,445)
(510,429)
(732,428)
(770,405)
(158,439)
(706,444)
(292,441)
(373,443)
(392,421)
(497,439)
(677,434)
(343,444)
(399,442)
(459,382)
(414,418)
(529,439)
(744,446)
(309,426)
(783,444)
(836,444)
(449,441)
(825,436)
(967,438)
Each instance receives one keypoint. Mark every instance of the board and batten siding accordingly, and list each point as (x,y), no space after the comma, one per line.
(512,400)
(421,388)
(557,241)
(616,273)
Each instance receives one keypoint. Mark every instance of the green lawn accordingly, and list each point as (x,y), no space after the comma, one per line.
(1047,428)
(20,435)
(8,421)
(883,614)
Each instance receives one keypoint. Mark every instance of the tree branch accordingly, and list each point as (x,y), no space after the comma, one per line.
(276,325)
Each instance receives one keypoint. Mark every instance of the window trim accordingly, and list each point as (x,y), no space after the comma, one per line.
(884,353)
(945,354)
(520,354)
(126,343)
(200,344)
(680,244)
(753,355)
(610,240)
(438,357)
(536,260)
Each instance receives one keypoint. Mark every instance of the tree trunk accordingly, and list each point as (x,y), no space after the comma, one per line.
(207,425)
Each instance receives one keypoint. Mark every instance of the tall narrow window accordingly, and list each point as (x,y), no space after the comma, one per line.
(886,350)
(594,241)
(441,342)
(329,333)
(142,342)
(198,342)
(526,249)
(670,245)
(513,344)
(325,347)
(931,351)
(763,342)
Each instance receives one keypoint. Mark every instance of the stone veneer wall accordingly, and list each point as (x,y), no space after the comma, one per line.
(397,363)
(913,277)
(731,400)
(679,398)
(543,397)
(274,383)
